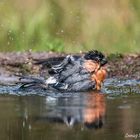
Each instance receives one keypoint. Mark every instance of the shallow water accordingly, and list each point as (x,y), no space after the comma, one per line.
(110,114)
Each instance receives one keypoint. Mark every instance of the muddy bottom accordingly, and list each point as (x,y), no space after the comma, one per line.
(110,114)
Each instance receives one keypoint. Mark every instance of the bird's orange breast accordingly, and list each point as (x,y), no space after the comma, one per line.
(99,77)
(91,66)
(98,74)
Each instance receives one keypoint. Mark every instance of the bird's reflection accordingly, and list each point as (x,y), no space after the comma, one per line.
(87,109)
(94,111)
(35,114)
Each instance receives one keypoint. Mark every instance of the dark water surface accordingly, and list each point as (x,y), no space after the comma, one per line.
(81,116)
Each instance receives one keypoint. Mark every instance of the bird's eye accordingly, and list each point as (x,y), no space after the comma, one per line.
(103,62)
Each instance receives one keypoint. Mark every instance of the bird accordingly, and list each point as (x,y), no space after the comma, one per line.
(73,73)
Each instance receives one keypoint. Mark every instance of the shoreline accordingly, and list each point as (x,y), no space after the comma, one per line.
(119,66)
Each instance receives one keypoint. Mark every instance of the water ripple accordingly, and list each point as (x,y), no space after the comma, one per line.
(111,86)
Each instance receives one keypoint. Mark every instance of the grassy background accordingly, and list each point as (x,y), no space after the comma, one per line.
(70,26)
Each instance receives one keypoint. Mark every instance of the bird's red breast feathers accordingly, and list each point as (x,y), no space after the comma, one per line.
(98,73)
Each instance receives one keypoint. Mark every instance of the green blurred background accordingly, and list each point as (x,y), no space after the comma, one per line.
(70,26)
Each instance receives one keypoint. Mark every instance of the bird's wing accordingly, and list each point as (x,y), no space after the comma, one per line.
(28,81)
(84,85)
(57,69)
(50,62)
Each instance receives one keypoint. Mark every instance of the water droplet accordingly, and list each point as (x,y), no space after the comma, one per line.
(8,43)
(23,123)
(11,38)
(71,12)
(30,127)
(10,31)
(62,31)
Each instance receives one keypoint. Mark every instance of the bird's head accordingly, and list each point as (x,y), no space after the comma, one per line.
(96,56)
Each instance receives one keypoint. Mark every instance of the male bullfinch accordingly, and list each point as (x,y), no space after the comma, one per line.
(75,73)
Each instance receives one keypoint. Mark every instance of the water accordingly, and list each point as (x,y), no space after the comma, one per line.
(109,114)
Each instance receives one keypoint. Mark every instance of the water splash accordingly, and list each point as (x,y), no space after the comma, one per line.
(121,86)
(111,87)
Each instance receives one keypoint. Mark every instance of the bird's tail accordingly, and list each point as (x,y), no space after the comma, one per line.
(28,82)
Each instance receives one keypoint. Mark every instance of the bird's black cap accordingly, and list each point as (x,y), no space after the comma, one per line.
(96,56)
